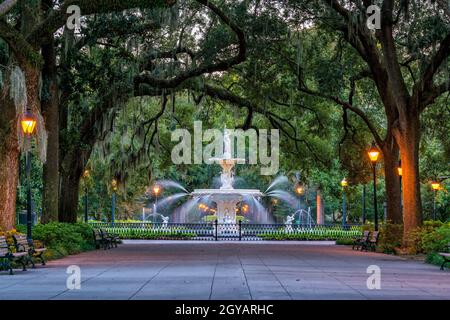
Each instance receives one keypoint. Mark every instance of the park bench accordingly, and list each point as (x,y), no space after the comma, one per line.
(23,245)
(372,242)
(7,256)
(113,239)
(446,256)
(99,240)
(360,241)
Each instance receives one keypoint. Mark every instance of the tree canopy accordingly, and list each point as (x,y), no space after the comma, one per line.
(111,91)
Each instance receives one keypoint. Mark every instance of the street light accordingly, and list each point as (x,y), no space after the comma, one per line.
(86,176)
(435,186)
(300,190)
(156,191)
(344,184)
(113,200)
(28,123)
(400,175)
(374,153)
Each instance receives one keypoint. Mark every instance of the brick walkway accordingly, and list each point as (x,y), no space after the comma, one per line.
(199,270)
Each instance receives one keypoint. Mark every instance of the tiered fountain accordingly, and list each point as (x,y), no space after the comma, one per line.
(227,197)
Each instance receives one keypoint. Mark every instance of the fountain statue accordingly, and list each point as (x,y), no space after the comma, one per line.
(165,221)
(288,223)
(227,163)
(226,198)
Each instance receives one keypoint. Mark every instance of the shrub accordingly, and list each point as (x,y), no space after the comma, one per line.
(391,236)
(333,233)
(8,235)
(436,241)
(149,234)
(345,241)
(62,239)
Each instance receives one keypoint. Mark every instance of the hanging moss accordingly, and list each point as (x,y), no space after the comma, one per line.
(18,90)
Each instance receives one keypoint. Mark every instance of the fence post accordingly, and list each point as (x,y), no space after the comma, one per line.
(240,230)
(215,224)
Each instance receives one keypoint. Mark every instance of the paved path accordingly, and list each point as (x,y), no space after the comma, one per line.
(199,270)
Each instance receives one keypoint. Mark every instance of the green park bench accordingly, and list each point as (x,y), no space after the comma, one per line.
(7,257)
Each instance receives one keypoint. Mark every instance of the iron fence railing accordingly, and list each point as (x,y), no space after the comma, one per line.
(227,231)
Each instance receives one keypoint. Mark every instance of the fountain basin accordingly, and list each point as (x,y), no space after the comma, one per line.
(226,200)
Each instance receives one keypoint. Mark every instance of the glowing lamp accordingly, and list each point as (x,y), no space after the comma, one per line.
(300,189)
(86,173)
(399,168)
(28,124)
(373,153)
(344,183)
(436,186)
(156,189)
(114,184)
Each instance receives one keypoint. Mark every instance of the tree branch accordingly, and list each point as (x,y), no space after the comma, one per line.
(217,66)
(57,17)
(6,5)
(431,95)
(346,105)
(22,50)
(426,81)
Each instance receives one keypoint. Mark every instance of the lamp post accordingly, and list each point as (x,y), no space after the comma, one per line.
(113,200)
(400,174)
(156,191)
(344,184)
(374,153)
(85,176)
(435,186)
(300,190)
(28,123)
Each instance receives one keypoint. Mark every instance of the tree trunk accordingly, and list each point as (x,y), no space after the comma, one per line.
(408,139)
(70,182)
(50,112)
(9,162)
(392,182)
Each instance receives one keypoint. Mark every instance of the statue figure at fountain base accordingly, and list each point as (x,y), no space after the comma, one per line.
(288,223)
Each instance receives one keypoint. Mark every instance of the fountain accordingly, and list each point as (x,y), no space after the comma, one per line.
(226,198)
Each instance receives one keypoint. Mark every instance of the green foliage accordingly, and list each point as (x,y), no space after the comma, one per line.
(391,236)
(314,234)
(345,241)
(62,239)
(135,233)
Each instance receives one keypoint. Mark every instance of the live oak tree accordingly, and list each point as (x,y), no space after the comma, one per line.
(407,61)
(28,28)
(125,63)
